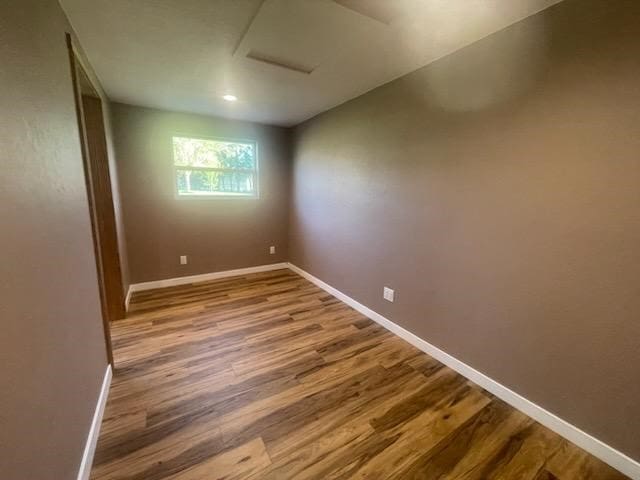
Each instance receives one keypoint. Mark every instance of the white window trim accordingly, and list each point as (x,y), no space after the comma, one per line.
(215,196)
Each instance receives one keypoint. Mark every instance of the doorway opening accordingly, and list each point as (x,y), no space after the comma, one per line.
(100,196)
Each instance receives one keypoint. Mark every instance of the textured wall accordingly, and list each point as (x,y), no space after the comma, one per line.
(215,234)
(52,354)
(117,203)
(497,190)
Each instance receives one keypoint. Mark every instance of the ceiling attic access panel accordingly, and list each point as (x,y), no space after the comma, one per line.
(300,37)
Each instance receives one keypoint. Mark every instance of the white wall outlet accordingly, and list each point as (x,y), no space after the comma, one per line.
(388,294)
(272,250)
(183,259)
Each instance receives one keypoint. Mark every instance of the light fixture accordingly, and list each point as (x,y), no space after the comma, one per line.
(230,98)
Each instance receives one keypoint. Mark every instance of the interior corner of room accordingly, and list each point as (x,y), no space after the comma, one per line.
(310,239)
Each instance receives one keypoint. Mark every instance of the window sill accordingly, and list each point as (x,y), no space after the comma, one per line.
(215,196)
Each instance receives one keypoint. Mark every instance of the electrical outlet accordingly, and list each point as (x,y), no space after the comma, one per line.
(272,250)
(388,294)
(183,259)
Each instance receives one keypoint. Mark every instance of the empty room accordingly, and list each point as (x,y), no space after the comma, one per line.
(320,239)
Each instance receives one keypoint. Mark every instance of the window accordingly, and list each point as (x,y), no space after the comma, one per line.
(215,168)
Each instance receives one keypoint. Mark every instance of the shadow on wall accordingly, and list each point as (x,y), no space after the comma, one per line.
(495,76)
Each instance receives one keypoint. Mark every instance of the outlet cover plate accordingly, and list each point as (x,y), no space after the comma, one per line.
(388,294)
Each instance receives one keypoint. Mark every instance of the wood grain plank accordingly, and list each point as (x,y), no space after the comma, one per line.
(267,377)
(234,464)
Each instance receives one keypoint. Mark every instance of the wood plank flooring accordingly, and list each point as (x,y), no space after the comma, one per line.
(268,377)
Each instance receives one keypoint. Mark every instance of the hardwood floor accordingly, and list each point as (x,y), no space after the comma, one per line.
(268,377)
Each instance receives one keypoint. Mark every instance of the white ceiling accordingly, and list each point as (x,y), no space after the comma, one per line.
(185,54)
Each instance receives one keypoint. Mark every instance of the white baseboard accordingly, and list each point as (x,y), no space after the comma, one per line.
(170,282)
(604,452)
(94,431)
(127,299)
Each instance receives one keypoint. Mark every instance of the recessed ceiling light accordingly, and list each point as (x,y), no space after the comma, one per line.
(230,98)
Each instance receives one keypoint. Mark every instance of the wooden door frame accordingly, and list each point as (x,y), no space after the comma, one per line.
(77,94)
(95,123)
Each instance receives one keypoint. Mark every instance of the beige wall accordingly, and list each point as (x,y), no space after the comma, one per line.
(115,191)
(498,192)
(215,234)
(52,354)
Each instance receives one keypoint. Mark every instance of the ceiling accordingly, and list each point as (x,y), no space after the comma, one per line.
(285,60)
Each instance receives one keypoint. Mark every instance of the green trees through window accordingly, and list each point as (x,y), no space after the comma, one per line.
(210,167)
